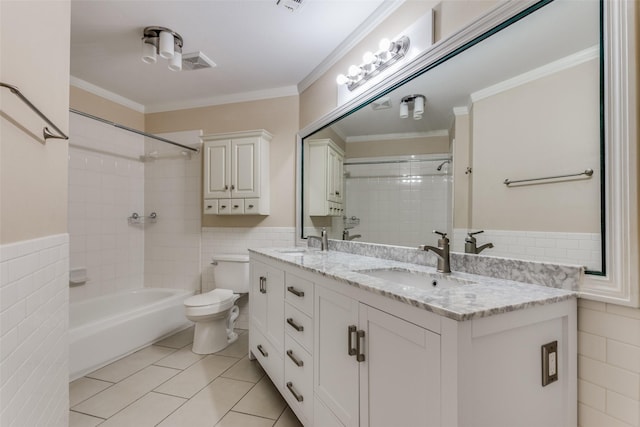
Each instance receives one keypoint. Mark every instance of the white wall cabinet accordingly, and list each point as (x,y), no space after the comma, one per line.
(324,165)
(236,173)
(379,362)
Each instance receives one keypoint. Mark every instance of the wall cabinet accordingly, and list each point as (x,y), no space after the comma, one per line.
(236,173)
(343,356)
(324,165)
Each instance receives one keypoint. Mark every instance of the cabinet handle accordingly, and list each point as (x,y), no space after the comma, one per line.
(223,206)
(292,356)
(250,206)
(236,206)
(360,356)
(293,391)
(295,291)
(350,350)
(337,193)
(226,187)
(233,187)
(209,206)
(264,353)
(263,285)
(294,325)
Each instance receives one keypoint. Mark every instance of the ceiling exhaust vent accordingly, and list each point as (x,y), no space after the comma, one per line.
(291,5)
(196,61)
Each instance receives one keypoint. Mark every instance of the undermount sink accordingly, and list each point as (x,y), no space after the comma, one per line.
(298,251)
(417,279)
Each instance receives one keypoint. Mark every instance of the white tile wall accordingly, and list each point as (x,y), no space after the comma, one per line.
(106,185)
(173,191)
(34,318)
(560,248)
(608,365)
(237,240)
(398,203)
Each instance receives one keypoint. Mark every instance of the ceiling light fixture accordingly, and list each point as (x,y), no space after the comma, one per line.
(418,102)
(374,63)
(164,42)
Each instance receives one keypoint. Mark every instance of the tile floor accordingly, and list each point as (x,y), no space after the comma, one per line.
(167,385)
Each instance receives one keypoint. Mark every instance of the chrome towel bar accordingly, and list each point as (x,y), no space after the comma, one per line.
(46,133)
(587,172)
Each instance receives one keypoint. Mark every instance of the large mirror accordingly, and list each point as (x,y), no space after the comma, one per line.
(510,143)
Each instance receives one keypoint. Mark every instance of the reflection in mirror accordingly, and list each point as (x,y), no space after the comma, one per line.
(521,104)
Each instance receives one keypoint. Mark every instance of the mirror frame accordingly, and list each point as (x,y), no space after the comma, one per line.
(619,200)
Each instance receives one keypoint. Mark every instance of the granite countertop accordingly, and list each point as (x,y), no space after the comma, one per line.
(474,297)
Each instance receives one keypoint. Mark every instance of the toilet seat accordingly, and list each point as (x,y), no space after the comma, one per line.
(215,301)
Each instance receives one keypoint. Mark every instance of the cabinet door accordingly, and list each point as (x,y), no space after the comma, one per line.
(267,302)
(245,170)
(217,175)
(400,377)
(335,371)
(338,177)
(332,184)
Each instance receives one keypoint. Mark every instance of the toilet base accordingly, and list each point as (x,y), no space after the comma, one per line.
(210,336)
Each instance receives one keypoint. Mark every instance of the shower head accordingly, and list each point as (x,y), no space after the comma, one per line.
(439,168)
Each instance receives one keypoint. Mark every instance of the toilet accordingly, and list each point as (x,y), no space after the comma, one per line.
(214,312)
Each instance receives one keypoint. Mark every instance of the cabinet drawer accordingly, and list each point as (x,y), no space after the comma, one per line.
(237,206)
(299,326)
(224,206)
(298,379)
(299,293)
(210,206)
(269,358)
(251,206)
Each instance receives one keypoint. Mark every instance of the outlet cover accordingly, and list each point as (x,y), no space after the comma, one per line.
(549,363)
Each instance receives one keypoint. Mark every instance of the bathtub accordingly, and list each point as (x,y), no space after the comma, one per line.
(106,328)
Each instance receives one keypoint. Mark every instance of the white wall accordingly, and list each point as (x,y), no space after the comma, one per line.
(106,185)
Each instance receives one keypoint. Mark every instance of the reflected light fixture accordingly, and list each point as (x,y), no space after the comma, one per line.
(389,52)
(163,42)
(418,106)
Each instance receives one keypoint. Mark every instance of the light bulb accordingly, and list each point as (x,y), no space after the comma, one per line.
(418,106)
(354,71)
(175,63)
(342,79)
(148,51)
(166,45)
(404,110)
(385,44)
(369,58)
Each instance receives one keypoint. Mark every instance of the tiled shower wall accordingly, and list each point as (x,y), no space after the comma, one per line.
(398,203)
(106,185)
(34,320)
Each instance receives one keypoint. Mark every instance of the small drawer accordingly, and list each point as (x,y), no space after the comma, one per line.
(210,206)
(267,356)
(237,206)
(251,206)
(299,326)
(299,293)
(224,206)
(298,379)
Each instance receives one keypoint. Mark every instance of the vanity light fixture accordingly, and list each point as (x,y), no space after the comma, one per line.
(164,42)
(389,52)
(418,106)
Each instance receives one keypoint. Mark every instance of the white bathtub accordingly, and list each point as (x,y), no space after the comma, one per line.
(106,328)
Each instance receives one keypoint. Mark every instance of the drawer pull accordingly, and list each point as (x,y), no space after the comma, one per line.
(250,206)
(294,325)
(360,337)
(262,350)
(292,356)
(350,349)
(295,291)
(263,285)
(293,391)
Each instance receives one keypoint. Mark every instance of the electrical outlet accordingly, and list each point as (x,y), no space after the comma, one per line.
(549,363)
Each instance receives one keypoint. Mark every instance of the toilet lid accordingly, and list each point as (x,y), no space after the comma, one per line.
(215,297)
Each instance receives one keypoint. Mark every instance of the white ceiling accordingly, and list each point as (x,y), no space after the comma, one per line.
(261,50)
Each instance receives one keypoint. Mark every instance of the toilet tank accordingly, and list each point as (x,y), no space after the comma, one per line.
(231,271)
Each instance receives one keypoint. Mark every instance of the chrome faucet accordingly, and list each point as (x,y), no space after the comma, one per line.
(470,246)
(442,251)
(346,236)
(324,242)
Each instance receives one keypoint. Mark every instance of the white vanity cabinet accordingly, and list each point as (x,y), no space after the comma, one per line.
(324,163)
(377,361)
(236,173)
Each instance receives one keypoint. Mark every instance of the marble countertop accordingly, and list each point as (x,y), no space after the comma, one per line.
(474,297)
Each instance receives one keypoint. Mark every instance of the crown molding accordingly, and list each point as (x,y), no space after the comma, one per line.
(359,34)
(108,95)
(397,136)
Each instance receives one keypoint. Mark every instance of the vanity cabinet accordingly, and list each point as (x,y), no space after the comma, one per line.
(324,162)
(236,173)
(346,356)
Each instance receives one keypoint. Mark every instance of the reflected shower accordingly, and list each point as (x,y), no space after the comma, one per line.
(439,168)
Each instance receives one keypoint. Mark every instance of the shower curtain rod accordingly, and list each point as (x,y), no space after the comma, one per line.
(384,162)
(148,135)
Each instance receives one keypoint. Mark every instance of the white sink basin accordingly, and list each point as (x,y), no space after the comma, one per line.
(294,252)
(417,279)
